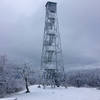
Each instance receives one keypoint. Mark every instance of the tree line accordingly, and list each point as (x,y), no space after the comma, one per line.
(15,78)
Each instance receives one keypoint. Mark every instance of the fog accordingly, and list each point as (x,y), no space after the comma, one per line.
(22,25)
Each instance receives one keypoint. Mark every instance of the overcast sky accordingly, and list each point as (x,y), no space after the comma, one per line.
(22,25)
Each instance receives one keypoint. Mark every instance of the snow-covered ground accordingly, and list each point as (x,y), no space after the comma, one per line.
(69,93)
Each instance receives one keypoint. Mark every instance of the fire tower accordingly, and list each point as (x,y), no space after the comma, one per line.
(51,60)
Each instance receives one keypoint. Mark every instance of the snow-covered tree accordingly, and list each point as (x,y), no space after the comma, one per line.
(26,72)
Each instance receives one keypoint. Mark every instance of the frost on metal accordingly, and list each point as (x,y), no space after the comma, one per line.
(51,60)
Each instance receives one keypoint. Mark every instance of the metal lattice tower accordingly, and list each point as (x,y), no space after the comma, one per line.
(51,61)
